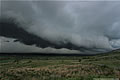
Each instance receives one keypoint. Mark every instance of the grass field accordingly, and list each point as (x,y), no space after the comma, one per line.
(16,67)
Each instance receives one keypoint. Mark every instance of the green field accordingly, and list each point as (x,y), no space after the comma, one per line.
(60,67)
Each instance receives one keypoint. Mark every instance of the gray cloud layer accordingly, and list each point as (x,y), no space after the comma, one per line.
(86,24)
(16,47)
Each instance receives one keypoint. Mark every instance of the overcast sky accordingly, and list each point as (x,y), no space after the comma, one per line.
(90,24)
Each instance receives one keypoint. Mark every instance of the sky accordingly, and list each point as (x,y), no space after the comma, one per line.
(90,24)
(17,47)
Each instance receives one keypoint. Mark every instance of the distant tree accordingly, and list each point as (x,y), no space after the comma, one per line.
(16,61)
(29,61)
(79,60)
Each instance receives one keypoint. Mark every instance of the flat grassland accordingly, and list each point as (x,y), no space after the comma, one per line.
(17,67)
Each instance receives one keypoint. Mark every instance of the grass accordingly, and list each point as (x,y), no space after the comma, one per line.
(60,67)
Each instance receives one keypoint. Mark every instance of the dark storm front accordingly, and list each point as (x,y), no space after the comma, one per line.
(61,26)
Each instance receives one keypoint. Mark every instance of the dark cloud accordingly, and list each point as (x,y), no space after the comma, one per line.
(70,24)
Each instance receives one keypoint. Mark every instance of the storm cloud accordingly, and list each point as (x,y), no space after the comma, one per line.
(91,25)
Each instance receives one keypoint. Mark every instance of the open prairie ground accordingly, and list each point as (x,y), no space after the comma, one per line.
(34,67)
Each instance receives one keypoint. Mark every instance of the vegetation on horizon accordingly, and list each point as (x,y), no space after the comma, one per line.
(60,67)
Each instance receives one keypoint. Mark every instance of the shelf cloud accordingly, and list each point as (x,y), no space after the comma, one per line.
(75,25)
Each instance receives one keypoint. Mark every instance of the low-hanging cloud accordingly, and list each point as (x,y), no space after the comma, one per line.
(94,25)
